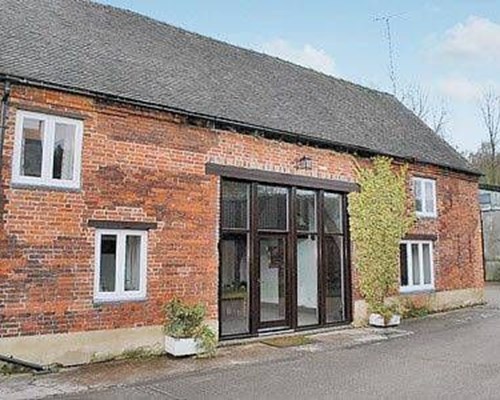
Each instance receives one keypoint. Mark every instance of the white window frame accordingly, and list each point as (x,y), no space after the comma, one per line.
(422,182)
(120,294)
(409,264)
(48,153)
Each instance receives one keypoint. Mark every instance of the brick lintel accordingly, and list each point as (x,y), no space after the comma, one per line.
(143,226)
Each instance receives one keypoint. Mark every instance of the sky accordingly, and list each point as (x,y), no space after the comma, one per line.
(449,48)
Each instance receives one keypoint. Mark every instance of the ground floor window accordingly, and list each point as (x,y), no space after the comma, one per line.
(417,266)
(282,258)
(120,265)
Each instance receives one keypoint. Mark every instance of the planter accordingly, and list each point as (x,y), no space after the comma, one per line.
(179,347)
(378,321)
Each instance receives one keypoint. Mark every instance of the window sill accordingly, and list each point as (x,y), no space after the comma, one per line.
(416,291)
(118,301)
(426,216)
(45,187)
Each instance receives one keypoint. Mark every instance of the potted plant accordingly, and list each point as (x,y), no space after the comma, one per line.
(186,333)
(379,218)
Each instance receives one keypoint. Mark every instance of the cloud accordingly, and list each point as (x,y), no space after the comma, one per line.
(459,88)
(476,39)
(307,56)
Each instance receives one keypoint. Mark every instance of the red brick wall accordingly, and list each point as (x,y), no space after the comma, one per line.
(150,166)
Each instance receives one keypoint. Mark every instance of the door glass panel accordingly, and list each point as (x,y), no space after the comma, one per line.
(307,280)
(32,147)
(426,248)
(334,293)
(306,210)
(132,263)
(272,257)
(415,264)
(235,288)
(332,213)
(107,275)
(235,204)
(64,151)
(272,207)
(403,264)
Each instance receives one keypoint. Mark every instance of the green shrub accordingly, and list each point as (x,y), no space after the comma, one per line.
(410,310)
(187,321)
(379,219)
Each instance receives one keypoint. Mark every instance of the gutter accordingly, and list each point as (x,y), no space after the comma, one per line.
(294,137)
(488,187)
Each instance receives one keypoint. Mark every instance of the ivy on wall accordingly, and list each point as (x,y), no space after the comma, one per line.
(379,219)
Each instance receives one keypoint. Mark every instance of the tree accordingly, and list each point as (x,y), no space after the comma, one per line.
(481,159)
(434,114)
(489,106)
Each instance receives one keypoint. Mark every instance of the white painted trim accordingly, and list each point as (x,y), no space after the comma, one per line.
(410,288)
(120,294)
(426,213)
(46,179)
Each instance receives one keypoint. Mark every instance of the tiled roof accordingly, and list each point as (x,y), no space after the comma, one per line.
(101,49)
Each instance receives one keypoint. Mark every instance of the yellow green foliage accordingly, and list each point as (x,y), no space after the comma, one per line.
(379,220)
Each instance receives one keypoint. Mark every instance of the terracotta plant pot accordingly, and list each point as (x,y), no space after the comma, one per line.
(378,321)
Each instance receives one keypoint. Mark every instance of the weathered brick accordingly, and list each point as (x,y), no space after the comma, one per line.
(149,166)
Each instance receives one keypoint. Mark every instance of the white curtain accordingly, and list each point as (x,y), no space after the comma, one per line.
(65,143)
(132,262)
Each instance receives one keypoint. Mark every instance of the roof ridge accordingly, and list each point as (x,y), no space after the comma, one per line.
(136,14)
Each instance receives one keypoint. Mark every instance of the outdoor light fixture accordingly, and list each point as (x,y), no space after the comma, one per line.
(304,163)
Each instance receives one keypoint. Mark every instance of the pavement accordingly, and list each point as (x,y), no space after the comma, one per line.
(454,355)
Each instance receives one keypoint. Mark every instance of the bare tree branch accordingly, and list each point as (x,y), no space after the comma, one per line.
(489,107)
(418,100)
(439,119)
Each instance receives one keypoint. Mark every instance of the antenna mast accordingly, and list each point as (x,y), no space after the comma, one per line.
(386,20)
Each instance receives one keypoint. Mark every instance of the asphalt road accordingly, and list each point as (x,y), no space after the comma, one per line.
(452,356)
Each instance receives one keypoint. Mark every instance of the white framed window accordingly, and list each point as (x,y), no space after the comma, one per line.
(120,265)
(47,150)
(424,191)
(417,265)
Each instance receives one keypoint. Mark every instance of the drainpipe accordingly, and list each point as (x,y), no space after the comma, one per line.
(3,127)
(22,363)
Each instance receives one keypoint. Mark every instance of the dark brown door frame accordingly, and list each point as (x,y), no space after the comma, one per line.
(321,262)
(291,259)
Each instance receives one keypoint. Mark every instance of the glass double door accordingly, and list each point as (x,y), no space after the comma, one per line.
(273,281)
(282,258)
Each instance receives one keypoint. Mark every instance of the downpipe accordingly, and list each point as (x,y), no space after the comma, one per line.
(25,364)
(3,118)
(3,127)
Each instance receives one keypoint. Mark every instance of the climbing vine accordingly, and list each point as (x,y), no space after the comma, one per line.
(379,219)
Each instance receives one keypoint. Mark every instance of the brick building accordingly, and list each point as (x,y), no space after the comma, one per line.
(141,162)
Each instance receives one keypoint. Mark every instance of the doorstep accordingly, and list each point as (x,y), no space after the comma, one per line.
(284,333)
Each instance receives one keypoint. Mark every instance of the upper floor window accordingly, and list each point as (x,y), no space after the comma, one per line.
(424,191)
(47,150)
